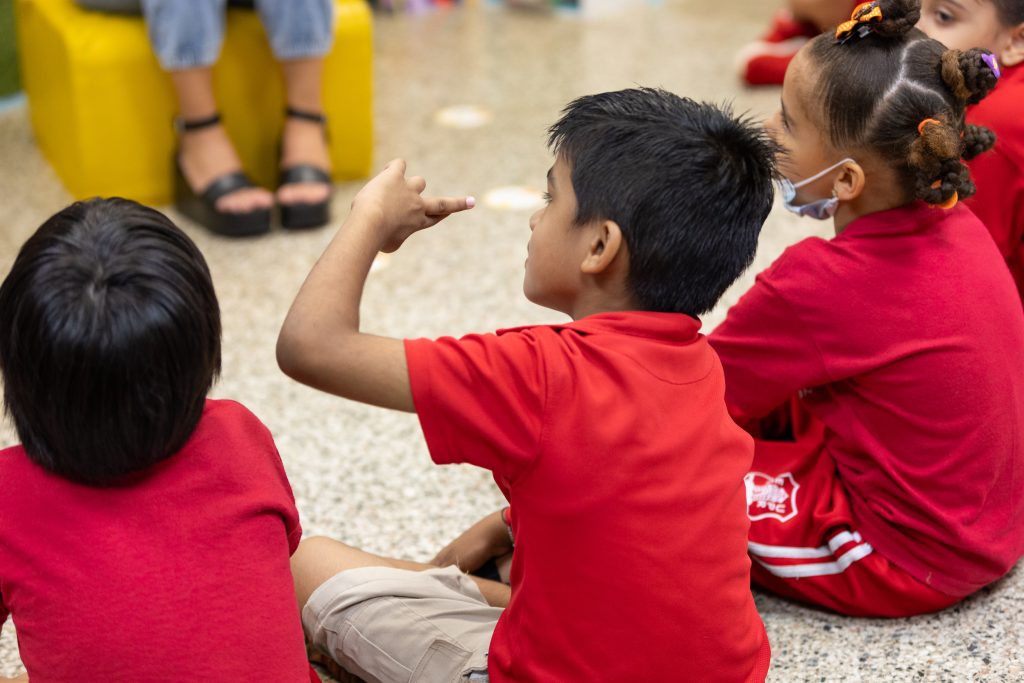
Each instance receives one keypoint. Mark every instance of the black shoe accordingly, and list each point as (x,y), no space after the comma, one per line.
(305,214)
(202,207)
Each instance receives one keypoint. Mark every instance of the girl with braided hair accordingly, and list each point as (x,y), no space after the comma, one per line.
(881,372)
(997,26)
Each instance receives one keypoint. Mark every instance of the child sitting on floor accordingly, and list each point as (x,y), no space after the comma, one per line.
(608,434)
(996,26)
(764,61)
(881,371)
(146,530)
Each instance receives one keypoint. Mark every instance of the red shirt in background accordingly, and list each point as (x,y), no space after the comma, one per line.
(181,576)
(610,438)
(905,336)
(999,173)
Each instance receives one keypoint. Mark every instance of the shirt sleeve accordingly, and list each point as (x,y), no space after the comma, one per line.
(481,399)
(289,512)
(274,478)
(766,353)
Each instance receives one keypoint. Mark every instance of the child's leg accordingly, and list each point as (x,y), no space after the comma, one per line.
(764,61)
(392,620)
(823,14)
(804,543)
(317,559)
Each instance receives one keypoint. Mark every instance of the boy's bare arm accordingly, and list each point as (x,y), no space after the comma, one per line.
(320,343)
(487,539)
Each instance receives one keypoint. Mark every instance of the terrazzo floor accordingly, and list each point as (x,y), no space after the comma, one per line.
(362,474)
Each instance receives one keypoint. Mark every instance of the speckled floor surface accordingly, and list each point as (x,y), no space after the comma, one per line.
(362,474)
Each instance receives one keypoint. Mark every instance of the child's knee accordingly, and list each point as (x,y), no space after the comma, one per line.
(822,13)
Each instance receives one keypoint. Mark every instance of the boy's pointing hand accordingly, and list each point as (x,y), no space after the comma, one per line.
(395,205)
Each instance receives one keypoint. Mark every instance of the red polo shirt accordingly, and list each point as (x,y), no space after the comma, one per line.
(610,438)
(999,173)
(905,336)
(182,574)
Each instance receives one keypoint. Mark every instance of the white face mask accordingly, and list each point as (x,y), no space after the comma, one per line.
(820,209)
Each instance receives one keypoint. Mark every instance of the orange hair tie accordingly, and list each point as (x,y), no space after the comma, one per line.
(859,25)
(949,203)
(920,126)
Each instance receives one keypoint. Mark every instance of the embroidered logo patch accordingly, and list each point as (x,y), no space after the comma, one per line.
(769,496)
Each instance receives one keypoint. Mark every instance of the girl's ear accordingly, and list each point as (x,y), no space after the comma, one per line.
(605,244)
(1012,52)
(849,184)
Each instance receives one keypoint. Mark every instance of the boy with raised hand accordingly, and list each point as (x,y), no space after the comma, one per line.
(608,434)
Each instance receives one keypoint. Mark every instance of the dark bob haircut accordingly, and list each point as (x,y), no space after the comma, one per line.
(689,185)
(109,340)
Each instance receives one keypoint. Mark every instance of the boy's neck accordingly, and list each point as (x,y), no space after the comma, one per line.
(594,301)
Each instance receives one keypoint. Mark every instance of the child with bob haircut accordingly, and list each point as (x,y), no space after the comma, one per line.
(608,434)
(881,371)
(146,529)
(996,26)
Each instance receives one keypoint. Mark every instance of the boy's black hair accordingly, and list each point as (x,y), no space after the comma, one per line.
(688,184)
(875,91)
(109,340)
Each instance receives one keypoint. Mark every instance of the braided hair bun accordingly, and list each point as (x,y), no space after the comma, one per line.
(898,17)
(977,139)
(968,75)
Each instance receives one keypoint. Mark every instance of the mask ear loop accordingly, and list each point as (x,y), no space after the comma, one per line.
(820,174)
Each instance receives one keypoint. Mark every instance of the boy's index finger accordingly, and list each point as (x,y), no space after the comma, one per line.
(442,206)
(396,165)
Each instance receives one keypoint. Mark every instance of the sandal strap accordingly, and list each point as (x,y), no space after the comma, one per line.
(226,184)
(304,173)
(187,126)
(314,117)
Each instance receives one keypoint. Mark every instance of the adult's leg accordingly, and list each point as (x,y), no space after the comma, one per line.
(301,33)
(186,36)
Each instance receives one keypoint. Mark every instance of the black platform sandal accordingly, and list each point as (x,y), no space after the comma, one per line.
(202,207)
(305,214)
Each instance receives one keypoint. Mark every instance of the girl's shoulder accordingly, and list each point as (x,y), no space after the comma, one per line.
(808,256)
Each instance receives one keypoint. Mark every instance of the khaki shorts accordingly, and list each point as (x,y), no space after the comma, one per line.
(390,625)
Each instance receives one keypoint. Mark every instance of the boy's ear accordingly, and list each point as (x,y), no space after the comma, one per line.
(1012,53)
(604,245)
(849,184)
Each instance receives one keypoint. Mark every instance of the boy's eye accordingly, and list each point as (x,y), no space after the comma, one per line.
(547,197)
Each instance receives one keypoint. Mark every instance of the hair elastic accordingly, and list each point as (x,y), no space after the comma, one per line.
(859,25)
(949,203)
(920,126)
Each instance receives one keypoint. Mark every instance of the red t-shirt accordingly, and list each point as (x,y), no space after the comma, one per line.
(999,173)
(610,438)
(181,576)
(905,336)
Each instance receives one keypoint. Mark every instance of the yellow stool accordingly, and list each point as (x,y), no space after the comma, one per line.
(102,109)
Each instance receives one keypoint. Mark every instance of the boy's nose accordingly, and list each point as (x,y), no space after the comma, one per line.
(534,218)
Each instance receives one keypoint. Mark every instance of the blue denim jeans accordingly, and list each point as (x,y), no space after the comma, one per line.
(188,33)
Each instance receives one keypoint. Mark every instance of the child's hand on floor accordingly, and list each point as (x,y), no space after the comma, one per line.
(395,204)
(486,539)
